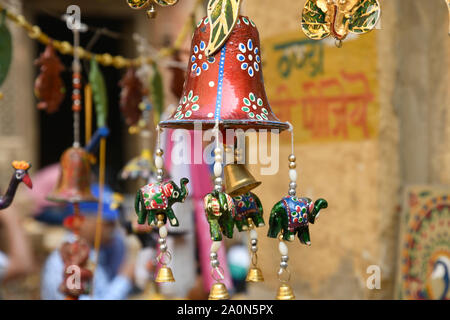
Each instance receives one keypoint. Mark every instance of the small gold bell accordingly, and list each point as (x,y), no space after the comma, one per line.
(285,292)
(218,292)
(238,180)
(151,12)
(165,275)
(254,275)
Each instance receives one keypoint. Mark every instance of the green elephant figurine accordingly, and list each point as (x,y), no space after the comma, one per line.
(248,206)
(220,211)
(156,198)
(292,215)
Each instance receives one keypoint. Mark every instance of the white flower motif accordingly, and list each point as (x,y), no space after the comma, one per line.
(184,105)
(254,108)
(249,57)
(199,60)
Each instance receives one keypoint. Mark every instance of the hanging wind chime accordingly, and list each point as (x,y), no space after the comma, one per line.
(74,187)
(322,18)
(224,89)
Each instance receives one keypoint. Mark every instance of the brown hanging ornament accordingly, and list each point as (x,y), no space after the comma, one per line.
(131,96)
(49,87)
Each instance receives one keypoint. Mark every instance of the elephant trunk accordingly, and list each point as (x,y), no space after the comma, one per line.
(319,204)
(184,191)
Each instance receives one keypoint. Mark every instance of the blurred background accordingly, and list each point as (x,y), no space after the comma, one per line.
(372,136)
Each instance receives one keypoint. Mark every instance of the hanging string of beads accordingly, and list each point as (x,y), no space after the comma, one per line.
(105,59)
(159,162)
(292,165)
(284,275)
(76,89)
(164,257)
(218,291)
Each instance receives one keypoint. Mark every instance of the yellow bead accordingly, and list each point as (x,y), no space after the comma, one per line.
(66,47)
(292,158)
(106,59)
(119,62)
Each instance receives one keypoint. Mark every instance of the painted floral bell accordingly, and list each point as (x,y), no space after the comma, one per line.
(227,86)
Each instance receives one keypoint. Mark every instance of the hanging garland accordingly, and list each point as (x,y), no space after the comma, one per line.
(105,59)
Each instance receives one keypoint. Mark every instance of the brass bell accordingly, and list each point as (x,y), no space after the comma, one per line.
(238,180)
(165,275)
(152,13)
(254,275)
(218,292)
(285,292)
(75,178)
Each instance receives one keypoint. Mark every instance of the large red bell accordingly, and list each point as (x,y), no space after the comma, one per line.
(75,177)
(227,86)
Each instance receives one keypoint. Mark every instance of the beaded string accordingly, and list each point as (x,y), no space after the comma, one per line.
(76,93)
(217,271)
(164,256)
(292,165)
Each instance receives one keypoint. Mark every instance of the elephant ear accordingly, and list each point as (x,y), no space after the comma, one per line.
(365,16)
(222,16)
(5,48)
(314,21)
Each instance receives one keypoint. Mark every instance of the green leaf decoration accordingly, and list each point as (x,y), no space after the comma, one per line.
(5,51)
(157,92)
(365,16)
(222,16)
(99,93)
(315,24)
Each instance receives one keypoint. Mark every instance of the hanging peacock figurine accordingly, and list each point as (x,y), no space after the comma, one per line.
(20,175)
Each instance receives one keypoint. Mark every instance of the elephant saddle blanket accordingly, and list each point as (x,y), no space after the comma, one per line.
(156,195)
(297,210)
(245,205)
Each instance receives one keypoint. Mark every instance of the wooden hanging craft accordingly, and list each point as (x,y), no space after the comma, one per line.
(49,87)
(131,96)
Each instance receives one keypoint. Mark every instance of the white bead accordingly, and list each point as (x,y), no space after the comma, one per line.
(293,175)
(159,162)
(215,246)
(218,158)
(217,151)
(282,247)
(253,234)
(217,169)
(163,232)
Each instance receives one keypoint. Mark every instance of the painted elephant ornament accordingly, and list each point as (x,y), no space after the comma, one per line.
(292,215)
(248,206)
(156,198)
(220,211)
